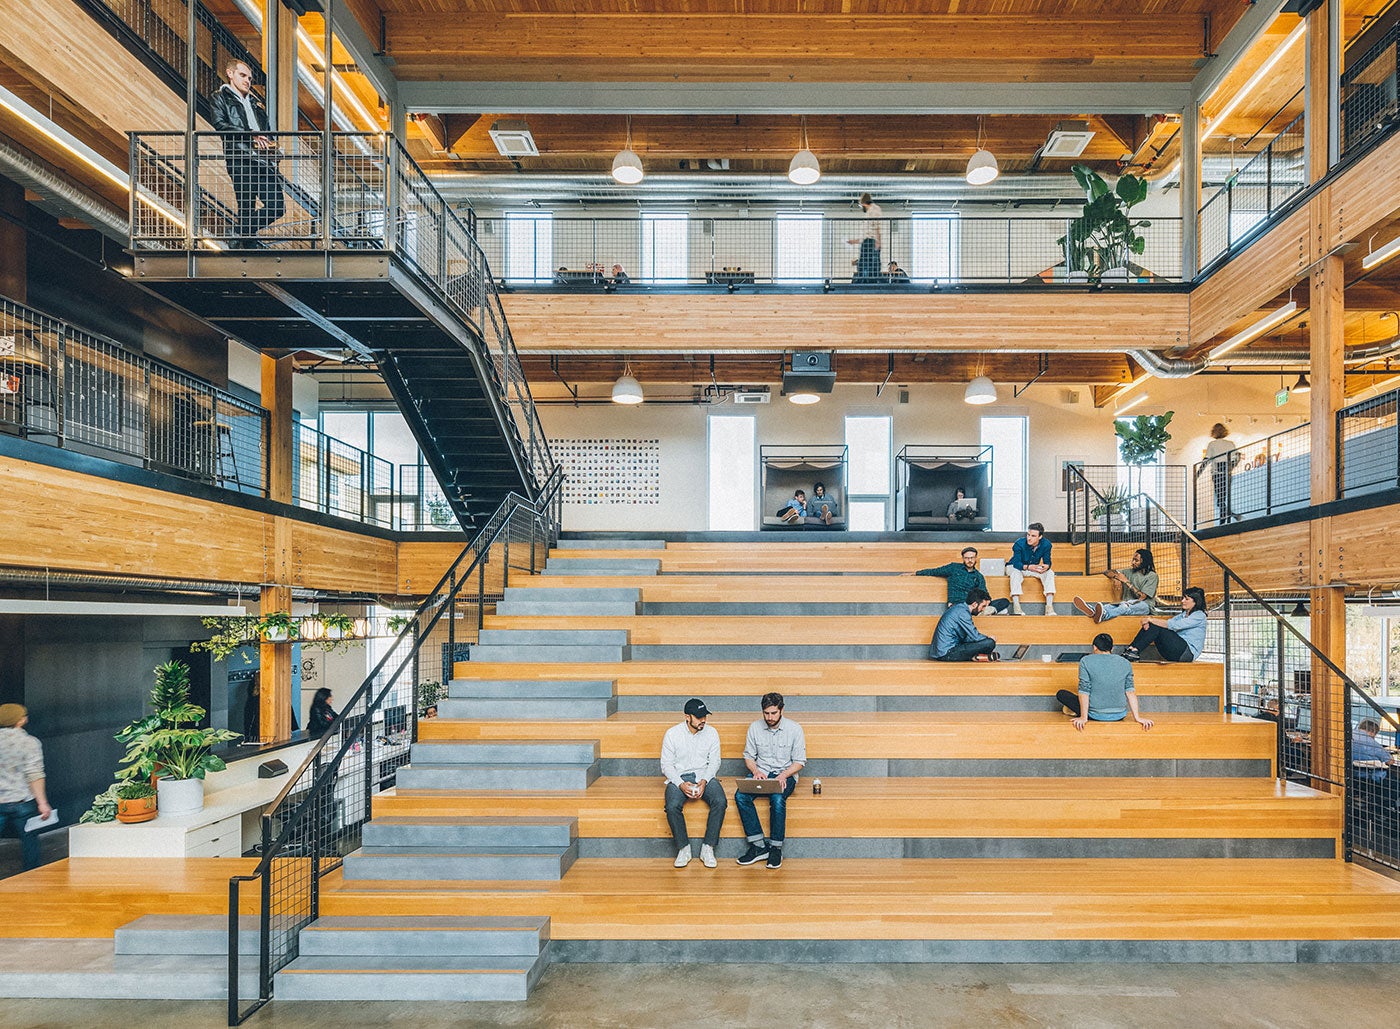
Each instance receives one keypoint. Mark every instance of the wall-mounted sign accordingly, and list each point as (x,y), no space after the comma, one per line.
(1281,397)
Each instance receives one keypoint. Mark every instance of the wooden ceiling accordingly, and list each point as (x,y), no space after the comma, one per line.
(799,40)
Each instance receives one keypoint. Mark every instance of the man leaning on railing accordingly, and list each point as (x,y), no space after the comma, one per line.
(251,158)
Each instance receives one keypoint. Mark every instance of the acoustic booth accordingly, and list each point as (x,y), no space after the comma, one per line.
(929,479)
(783,469)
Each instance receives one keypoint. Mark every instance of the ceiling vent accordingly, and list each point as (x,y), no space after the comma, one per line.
(513,139)
(1069,139)
(752,396)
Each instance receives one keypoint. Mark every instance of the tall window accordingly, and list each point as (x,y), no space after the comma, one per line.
(933,247)
(1006,435)
(869,444)
(797,244)
(529,246)
(733,471)
(665,246)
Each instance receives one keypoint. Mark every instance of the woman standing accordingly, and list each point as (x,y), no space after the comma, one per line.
(322,715)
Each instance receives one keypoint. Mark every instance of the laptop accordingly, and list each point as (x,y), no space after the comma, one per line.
(992,566)
(758,786)
(968,504)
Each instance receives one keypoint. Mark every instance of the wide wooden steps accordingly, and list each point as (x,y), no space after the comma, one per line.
(909,899)
(629,807)
(848,678)
(758,589)
(1007,735)
(796,630)
(814,556)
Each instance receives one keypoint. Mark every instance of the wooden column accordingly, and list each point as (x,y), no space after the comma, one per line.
(1327,601)
(281,66)
(14,263)
(275,671)
(1319,98)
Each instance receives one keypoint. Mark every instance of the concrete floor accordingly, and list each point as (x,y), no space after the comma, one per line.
(675,997)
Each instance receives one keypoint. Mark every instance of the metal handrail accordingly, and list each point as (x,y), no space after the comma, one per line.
(433,608)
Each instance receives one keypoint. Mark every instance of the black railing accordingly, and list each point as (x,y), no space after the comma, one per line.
(1273,671)
(80,391)
(1368,446)
(1369,103)
(1251,196)
(1105,506)
(319,816)
(1254,480)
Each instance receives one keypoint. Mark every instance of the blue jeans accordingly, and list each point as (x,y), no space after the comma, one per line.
(16,815)
(777,814)
(1128,607)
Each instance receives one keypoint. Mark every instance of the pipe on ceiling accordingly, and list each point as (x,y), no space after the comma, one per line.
(123,583)
(1164,367)
(60,197)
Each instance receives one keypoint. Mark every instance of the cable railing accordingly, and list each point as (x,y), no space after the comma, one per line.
(79,391)
(682,249)
(336,191)
(319,815)
(1274,672)
(1255,480)
(1251,196)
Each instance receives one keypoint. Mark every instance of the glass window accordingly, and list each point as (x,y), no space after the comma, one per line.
(797,241)
(867,515)
(529,246)
(347,426)
(1006,435)
(733,472)
(933,247)
(665,245)
(868,439)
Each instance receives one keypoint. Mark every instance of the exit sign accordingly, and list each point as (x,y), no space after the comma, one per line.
(1281,397)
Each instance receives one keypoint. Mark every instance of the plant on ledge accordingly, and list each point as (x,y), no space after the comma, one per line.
(1114,504)
(1105,237)
(277,627)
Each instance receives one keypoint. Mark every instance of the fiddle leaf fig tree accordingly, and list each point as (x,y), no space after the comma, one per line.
(1142,440)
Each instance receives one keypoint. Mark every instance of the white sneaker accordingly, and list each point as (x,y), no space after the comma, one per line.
(1050,605)
(683,856)
(1016,606)
(707,855)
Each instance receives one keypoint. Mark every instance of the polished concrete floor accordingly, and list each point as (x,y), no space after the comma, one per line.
(676,997)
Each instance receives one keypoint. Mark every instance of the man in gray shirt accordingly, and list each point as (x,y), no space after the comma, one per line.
(775,748)
(1106,692)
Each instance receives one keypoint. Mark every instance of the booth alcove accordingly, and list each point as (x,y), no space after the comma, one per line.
(929,477)
(783,469)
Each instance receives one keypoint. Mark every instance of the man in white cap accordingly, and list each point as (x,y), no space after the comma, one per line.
(22,794)
(689,761)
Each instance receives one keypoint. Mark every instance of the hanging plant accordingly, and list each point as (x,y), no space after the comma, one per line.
(229,633)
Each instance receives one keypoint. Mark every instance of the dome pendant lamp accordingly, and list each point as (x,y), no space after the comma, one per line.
(981,166)
(627,390)
(804,169)
(627,166)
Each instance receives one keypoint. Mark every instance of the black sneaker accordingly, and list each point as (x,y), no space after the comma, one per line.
(775,857)
(753,855)
(1132,655)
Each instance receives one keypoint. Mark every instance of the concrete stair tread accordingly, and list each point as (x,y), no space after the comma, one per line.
(464,964)
(453,923)
(378,850)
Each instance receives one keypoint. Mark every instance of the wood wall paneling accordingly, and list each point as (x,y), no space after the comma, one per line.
(1266,268)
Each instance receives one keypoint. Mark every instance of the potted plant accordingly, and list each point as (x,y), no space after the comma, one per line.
(1113,507)
(136,802)
(168,744)
(338,626)
(104,806)
(277,627)
(229,633)
(439,511)
(396,623)
(1102,241)
(1142,440)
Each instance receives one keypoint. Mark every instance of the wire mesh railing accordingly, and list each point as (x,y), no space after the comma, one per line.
(79,391)
(680,249)
(1255,480)
(333,191)
(1251,196)
(1369,104)
(333,477)
(319,816)
(1368,446)
(1106,508)
(1324,720)
(421,504)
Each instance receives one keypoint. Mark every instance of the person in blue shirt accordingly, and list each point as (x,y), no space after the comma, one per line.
(956,638)
(1365,747)
(1031,556)
(1106,692)
(1179,638)
(796,508)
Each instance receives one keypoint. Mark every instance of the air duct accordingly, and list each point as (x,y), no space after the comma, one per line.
(30,577)
(1164,367)
(60,197)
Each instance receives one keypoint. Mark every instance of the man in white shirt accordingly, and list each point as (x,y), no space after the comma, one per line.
(689,761)
(868,265)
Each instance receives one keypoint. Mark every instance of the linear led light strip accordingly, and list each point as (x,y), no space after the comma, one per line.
(1382,255)
(1256,330)
(1254,80)
(1132,403)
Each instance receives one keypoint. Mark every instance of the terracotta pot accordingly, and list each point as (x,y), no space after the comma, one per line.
(142,809)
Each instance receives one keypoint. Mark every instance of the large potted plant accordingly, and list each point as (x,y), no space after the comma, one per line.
(1142,441)
(1104,239)
(168,745)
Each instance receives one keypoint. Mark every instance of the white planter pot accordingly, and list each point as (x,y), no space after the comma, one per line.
(334,632)
(1115,275)
(1078,276)
(179,796)
(276,635)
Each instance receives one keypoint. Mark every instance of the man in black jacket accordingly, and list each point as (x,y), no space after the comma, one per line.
(251,157)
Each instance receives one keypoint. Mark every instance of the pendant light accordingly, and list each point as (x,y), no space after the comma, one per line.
(1302,385)
(627,390)
(982,165)
(981,390)
(627,166)
(804,169)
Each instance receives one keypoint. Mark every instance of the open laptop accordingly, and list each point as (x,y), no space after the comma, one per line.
(992,566)
(758,786)
(968,504)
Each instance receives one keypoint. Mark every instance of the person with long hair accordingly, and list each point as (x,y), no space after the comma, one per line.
(1179,638)
(1137,590)
(321,716)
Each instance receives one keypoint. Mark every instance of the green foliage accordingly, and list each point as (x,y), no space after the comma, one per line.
(279,622)
(1142,440)
(439,511)
(1114,502)
(229,634)
(135,790)
(104,807)
(429,693)
(1105,236)
(343,622)
(396,623)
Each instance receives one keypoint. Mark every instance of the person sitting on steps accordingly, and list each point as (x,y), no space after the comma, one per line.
(1031,556)
(1106,692)
(1137,590)
(774,748)
(963,576)
(1179,638)
(689,761)
(956,637)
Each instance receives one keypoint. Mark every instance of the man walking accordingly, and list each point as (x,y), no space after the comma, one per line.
(22,793)
(1031,556)
(956,638)
(775,748)
(689,761)
(249,155)
(1106,692)
(963,576)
